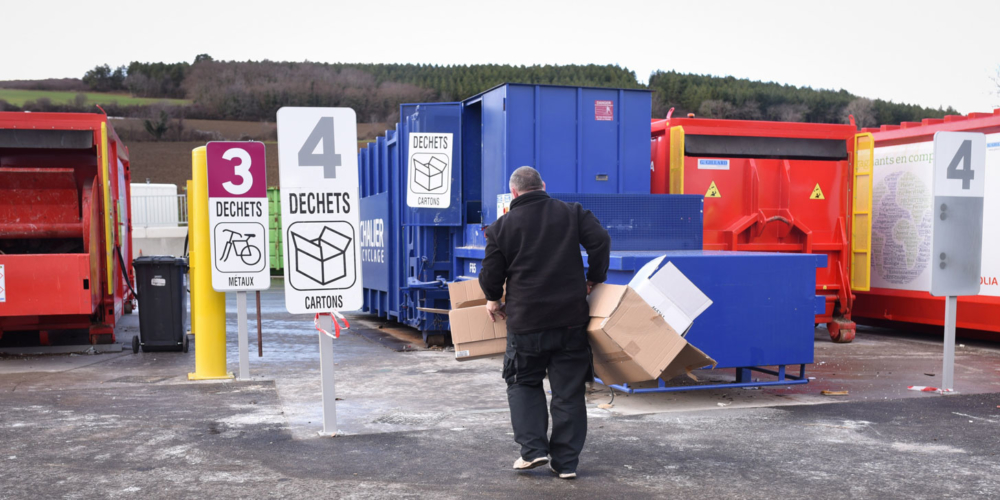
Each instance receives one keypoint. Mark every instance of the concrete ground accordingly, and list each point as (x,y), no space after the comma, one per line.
(414,423)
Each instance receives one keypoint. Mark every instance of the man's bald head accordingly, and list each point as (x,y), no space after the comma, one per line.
(525,179)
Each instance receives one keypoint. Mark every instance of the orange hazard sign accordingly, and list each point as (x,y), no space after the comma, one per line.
(713,191)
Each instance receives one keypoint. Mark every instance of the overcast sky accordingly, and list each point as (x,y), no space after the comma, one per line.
(929,53)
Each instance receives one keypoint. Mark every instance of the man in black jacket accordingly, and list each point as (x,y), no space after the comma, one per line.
(535,250)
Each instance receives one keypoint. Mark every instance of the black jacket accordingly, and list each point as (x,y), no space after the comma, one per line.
(535,249)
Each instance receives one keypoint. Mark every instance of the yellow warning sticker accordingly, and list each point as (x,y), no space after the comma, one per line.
(817,193)
(713,191)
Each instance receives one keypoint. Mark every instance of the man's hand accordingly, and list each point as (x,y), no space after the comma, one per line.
(496,310)
(590,287)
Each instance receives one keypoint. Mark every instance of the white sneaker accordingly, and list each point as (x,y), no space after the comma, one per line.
(522,464)
(563,475)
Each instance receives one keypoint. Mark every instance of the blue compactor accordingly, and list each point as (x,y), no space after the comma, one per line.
(591,146)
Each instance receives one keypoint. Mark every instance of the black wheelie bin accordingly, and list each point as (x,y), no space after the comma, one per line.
(162,304)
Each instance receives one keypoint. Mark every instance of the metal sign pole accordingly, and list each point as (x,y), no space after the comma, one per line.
(241,322)
(948,371)
(260,335)
(326,376)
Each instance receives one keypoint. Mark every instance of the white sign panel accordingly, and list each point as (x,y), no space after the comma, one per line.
(237,216)
(959,185)
(318,167)
(3,284)
(429,170)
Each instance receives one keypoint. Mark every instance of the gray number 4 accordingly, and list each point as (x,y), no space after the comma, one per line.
(328,159)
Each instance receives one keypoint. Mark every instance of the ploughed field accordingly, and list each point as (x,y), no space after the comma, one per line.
(170,161)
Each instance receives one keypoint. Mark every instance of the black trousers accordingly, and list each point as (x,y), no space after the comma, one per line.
(565,355)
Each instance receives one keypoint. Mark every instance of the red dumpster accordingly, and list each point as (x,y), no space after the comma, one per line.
(64,224)
(901,230)
(777,187)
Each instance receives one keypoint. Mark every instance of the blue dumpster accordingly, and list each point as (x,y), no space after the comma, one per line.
(582,140)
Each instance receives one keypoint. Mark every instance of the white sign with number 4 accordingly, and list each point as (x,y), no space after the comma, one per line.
(318,166)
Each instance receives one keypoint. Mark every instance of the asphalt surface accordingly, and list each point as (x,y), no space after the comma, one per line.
(229,441)
(417,424)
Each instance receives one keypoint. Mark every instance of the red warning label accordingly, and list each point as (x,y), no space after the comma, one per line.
(604,111)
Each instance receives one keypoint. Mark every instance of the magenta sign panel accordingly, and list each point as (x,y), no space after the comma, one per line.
(237,170)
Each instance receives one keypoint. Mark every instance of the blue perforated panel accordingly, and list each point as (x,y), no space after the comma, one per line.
(646,221)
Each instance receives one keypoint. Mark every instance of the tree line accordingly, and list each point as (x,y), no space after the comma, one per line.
(742,99)
(255,90)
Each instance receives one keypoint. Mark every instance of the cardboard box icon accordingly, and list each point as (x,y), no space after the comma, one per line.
(324,258)
(429,174)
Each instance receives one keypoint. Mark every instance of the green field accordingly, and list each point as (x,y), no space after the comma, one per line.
(19,97)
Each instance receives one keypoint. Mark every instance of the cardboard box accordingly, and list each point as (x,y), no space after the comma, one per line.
(430,174)
(472,332)
(632,342)
(671,294)
(324,258)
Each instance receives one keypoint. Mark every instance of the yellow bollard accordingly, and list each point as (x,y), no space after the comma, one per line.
(210,322)
(190,248)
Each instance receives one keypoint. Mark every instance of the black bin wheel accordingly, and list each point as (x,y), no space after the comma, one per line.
(135,345)
(184,344)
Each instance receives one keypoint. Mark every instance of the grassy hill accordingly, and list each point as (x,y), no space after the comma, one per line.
(18,97)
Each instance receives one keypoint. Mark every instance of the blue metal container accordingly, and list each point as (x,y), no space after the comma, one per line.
(582,140)
(762,312)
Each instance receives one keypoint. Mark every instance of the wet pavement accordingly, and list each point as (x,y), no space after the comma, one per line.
(417,423)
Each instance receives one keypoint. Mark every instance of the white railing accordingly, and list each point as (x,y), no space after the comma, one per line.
(159,210)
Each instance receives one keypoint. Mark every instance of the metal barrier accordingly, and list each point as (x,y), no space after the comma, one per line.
(159,210)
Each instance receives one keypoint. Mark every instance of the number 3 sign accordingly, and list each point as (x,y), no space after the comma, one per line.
(237,215)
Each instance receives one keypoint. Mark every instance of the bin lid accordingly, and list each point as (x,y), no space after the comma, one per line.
(152,260)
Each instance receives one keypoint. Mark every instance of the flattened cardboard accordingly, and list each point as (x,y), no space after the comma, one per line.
(632,342)
(462,293)
(434,310)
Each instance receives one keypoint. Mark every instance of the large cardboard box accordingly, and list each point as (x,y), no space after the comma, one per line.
(472,332)
(632,342)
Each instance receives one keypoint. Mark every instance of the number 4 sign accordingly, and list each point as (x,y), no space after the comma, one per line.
(959,186)
(319,209)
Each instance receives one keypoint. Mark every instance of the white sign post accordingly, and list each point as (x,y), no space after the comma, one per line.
(237,218)
(320,222)
(959,186)
(429,165)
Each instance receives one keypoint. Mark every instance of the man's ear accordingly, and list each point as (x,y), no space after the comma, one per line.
(543,185)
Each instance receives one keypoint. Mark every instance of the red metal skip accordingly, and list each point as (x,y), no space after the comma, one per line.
(64,218)
(977,316)
(769,187)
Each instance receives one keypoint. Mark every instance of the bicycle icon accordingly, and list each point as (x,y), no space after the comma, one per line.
(239,245)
